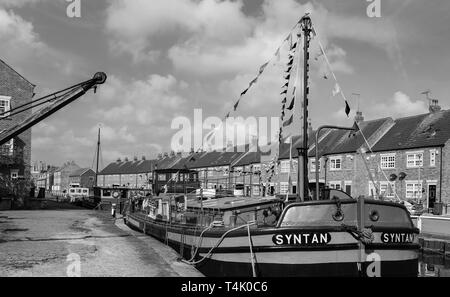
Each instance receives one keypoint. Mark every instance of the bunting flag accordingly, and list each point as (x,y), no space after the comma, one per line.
(284,92)
(261,69)
(287,77)
(236,105)
(284,100)
(294,46)
(285,85)
(277,54)
(325,76)
(347,108)
(289,69)
(253,82)
(336,89)
(293,91)
(290,62)
(289,39)
(244,92)
(289,122)
(291,106)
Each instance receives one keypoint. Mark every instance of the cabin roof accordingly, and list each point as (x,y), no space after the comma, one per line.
(228,203)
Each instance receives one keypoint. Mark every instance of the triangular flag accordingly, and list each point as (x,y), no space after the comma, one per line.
(294,46)
(284,92)
(289,69)
(356,127)
(290,62)
(293,91)
(284,100)
(285,85)
(289,122)
(227,116)
(236,105)
(261,69)
(336,89)
(277,54)
(347,108)
(289,38)
(253,82)
(325,76)
(291,106)
(287,77)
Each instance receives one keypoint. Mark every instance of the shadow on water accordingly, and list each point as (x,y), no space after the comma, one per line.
(434,266)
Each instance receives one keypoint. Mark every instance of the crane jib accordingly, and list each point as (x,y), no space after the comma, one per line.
(38,116)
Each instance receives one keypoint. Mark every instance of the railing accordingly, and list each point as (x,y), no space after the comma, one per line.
(433,225)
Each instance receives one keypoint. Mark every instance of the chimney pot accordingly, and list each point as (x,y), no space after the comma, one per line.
(359,117)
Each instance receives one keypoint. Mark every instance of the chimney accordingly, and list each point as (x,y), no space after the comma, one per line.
(359,117)
(143,158)
(166,155)
(192,151)
(172,154)
(160,156)
(135,158)
(434,106)
(179,154)
(126,159)
(118,160)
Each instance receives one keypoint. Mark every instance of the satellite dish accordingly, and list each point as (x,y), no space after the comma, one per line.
(393,177)
(401,176)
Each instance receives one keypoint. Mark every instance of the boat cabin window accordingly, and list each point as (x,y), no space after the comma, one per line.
(106,193)
(318,215)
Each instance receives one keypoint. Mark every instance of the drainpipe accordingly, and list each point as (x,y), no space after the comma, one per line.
(440,178)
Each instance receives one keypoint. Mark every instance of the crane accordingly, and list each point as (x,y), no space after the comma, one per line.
(57,101)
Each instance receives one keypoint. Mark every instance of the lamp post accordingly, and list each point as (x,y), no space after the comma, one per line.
(317,150)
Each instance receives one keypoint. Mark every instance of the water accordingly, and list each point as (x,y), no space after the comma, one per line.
(434,266)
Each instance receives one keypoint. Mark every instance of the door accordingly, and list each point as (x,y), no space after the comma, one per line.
(348,189)
(431,196)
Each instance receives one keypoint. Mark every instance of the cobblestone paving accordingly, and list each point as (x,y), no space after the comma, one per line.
(41,243)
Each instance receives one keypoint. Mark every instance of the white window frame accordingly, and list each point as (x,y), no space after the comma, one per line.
(333,185)
(256,167)
(416,191)
(284,187)
(333,163)
(14,173)
(412,160)
(285,166)
(386,162)
(433,154)
(8,107)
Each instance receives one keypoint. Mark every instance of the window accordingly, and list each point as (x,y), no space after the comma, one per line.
(256,190)
(14,174)
(335,185)
(348,187)
(284,187)
(432,158)
(413,189)
(388,161)
(285,166)
(5,105)
(414,160)
(7,149)
(256,168)
(387,189)
(335,163)
(161,177)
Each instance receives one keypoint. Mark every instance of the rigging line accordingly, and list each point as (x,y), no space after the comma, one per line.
(34,106)
(343,96)
(47,96)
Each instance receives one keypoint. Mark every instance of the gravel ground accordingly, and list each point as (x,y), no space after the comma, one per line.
(48,242)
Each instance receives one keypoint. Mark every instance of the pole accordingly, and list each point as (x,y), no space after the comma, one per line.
(98,153)
(317,150)
(307,28)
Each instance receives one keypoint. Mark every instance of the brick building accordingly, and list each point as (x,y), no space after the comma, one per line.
(15,90)
(61,178)
(134,174)
(84,178)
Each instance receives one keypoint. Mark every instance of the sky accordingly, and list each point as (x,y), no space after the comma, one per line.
(165,58)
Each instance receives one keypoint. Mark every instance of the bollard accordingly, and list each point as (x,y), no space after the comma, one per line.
(113,210)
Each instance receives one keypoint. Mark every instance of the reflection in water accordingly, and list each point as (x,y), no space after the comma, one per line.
(434,266)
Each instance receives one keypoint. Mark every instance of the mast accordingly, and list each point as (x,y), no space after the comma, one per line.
(98,154)
(303,151)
